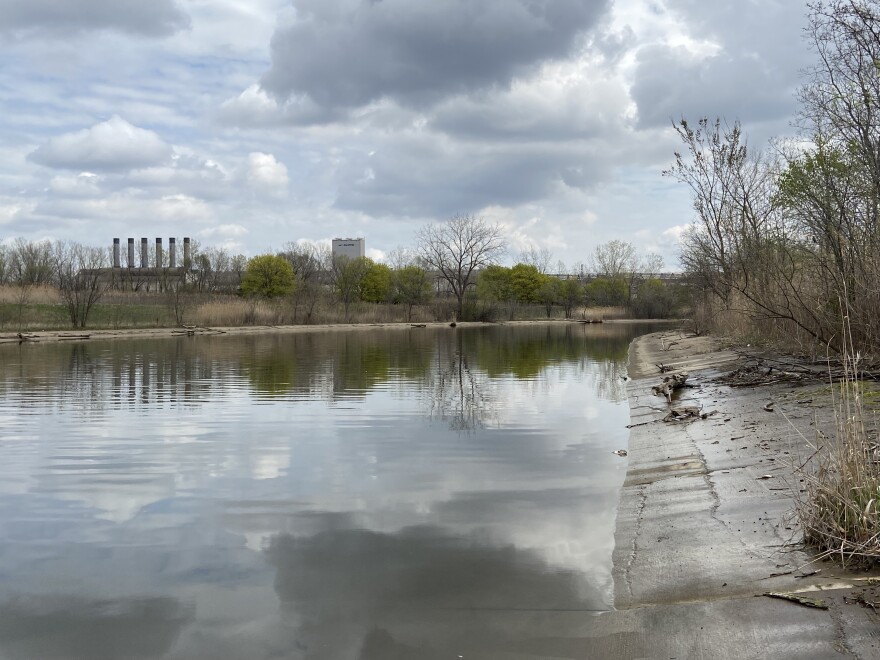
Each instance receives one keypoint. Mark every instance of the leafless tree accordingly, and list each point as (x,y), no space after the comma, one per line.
(309,261)
(540,258)
(82,278)
(459,247)
(401,257)
(4,264)
(615,258)
(31,262)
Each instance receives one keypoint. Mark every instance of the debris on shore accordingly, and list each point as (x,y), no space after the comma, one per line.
(669,384)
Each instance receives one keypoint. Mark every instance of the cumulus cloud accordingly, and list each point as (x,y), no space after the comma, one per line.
(85,184)
(156,18)
(349,53)
(113,145)
(264,172)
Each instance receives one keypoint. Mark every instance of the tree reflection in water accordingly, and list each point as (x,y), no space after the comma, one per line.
(458,367)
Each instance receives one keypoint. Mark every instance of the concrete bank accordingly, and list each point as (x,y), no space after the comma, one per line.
(704,523)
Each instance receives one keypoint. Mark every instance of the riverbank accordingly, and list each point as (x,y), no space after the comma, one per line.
(153,333)
(704,524)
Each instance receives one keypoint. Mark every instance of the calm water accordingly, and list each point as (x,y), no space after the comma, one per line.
(378,494)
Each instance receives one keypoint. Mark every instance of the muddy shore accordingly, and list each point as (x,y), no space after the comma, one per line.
(704,523)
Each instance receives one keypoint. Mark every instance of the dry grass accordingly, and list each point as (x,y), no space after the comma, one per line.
(838,510)
(36,295)
(235,312)
(602,313)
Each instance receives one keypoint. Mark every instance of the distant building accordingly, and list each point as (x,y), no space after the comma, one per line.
(348,247)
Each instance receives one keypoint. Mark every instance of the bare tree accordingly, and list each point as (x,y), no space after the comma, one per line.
(82,277)
(652,265)
(401,257)
(31,262)
(4,264)
(459,247)
(540,258)
(615,259)
(308,261)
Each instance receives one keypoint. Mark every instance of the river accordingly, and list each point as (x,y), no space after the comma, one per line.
(371,494)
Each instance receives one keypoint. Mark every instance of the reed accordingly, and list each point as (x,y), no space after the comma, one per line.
(838,506)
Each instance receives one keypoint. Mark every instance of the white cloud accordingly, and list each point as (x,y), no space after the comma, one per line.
(225,231)
(85,184)
(264,172)
(113,145)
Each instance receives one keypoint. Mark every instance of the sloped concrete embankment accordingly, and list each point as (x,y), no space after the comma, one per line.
(705,527)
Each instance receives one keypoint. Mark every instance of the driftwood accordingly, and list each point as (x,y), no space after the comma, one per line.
(683,413)
(669,384)
(418,325)
(800,600)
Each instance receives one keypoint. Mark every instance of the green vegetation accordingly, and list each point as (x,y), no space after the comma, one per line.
(267,276)
(46,285)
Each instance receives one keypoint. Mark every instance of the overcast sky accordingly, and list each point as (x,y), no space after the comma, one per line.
(251,123)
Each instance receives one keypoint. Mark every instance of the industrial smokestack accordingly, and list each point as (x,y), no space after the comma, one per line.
(158,253)
(187,253)
(116,253)
(172,252)
(145,254)
(131,253)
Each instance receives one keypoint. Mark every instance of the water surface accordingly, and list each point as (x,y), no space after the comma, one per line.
(424,493)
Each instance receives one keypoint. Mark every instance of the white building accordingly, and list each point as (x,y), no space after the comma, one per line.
(348,247)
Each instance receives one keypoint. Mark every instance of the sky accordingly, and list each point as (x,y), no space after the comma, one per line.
(249,124)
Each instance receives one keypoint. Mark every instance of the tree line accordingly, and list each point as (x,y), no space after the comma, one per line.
(454,266)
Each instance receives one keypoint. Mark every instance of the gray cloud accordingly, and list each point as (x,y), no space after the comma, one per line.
(401,176)
(670,84)
(349,53)
(752,76)
(156,18)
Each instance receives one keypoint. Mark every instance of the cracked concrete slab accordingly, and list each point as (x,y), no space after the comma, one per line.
(705,526)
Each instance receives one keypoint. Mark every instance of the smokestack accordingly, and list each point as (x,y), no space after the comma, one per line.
(158,253)
(145,254)
(131,253)
(187,253)
(116,253)
(172,252)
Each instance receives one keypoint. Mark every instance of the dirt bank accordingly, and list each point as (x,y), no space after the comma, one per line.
(704,523)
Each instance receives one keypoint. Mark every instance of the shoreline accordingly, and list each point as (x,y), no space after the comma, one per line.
(46,336)
(704,524)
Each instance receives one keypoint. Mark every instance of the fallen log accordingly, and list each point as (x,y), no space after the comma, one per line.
(669,384)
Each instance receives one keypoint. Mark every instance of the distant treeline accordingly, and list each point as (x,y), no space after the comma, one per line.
(50,284)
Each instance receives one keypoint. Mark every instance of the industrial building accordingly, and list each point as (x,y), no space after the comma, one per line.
(348,247)
(141,273)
